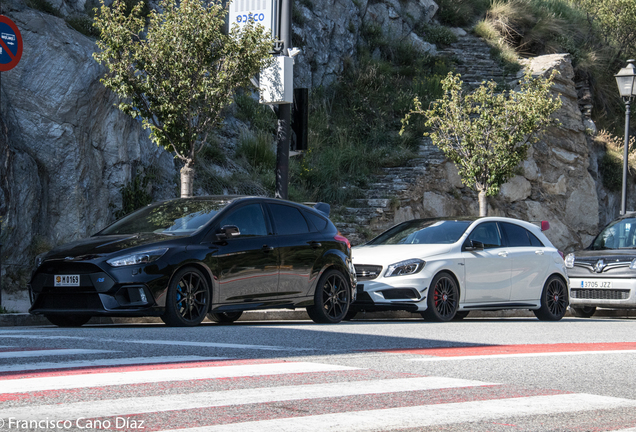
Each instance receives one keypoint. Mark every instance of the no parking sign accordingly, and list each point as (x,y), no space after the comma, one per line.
(10,44)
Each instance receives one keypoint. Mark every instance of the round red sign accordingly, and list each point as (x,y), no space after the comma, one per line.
(10,44)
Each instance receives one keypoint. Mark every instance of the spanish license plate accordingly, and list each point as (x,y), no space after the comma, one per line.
(67,280)
(596,284)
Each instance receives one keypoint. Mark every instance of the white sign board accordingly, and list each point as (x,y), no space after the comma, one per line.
(277,82)
(264,12)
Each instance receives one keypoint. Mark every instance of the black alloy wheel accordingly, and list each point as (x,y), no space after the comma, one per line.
(583,312)
(188,299)
(554,300)
(68,320)
(224,317)
(443,298)
(331,299)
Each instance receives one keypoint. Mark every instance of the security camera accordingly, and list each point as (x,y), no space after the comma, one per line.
(293,52)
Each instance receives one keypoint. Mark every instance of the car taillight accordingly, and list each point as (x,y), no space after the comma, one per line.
(339,237)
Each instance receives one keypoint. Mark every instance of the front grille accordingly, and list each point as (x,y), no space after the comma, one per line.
(367,272)
(66,301)
(401,293)
(599,294)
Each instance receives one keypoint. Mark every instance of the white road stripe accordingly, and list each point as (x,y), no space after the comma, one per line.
(427,415)
(121,407)
(504,356)
(166,342)
(27,367)
(152,376)
(49,352)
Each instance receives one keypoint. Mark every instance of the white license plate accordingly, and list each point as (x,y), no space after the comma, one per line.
(67,280)
(596,284)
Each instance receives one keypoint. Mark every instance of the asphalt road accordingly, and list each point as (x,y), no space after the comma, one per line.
(508,374)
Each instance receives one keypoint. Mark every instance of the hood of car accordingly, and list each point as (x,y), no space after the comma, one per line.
(388,254)
(588,254)
(98,246)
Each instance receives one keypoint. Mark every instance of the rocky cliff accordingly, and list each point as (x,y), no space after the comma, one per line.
(66,151)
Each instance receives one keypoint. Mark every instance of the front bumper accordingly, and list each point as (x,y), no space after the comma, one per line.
(603,292)
(406,293)
(126,291)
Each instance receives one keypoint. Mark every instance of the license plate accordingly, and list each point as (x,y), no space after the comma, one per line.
(596,284)
(67,280)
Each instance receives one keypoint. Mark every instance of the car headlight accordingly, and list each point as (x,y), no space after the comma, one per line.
(633,265)
(569,261)
(404,268)
(142,257)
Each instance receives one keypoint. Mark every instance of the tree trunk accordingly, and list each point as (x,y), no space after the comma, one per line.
(483,204)
(187,178)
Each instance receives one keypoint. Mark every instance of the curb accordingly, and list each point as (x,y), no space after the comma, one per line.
(26,319)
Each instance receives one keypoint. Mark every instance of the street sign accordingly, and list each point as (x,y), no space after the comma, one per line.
(10,44)
(264,12)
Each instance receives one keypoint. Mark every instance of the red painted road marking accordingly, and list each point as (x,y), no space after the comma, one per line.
(486,350)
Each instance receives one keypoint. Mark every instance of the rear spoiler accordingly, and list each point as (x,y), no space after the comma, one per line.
(323,208)
(544,225)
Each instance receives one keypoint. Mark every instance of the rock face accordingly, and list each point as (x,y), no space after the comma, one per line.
(65,150)
(329,30)
(68,150)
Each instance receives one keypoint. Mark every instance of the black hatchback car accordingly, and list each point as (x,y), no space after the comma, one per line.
(184,258)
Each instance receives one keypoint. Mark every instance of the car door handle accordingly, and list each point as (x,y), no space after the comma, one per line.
(267,248)
(539,252)
(503,254)
(315,244)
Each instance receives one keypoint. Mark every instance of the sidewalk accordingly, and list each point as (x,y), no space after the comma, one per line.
(25,319)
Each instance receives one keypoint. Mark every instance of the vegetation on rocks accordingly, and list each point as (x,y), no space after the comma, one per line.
(486,133)
(178,72)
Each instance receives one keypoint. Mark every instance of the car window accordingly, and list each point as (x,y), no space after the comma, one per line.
(517,235)
(488,234)
(249,219)
(318,222)
(174,217)
(288,220)
(423,231)
(619,234)
(534,241)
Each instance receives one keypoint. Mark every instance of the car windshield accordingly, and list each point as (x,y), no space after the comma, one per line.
(174,217)
(426,231)
(619,234)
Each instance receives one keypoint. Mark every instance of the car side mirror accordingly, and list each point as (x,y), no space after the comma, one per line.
(228,232)
(474,245)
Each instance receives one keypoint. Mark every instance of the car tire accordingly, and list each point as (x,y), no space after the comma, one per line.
(224,317)
(460,315)
(554,300)
(583,312)
(331,298)
(351,314)
(443,298)
(68,320)
(188,299)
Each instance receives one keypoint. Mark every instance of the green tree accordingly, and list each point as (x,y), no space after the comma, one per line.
(487,133)
(179,70)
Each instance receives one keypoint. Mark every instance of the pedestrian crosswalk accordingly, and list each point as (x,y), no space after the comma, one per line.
(218,394)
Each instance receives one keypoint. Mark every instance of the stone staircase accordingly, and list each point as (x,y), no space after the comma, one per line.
(389,190)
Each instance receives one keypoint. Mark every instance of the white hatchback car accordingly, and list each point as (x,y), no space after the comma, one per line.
(444,268)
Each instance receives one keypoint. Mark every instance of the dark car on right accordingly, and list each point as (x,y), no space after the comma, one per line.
(604,274)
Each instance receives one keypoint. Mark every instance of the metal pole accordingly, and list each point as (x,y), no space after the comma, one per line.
(284,112)
(625,156)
